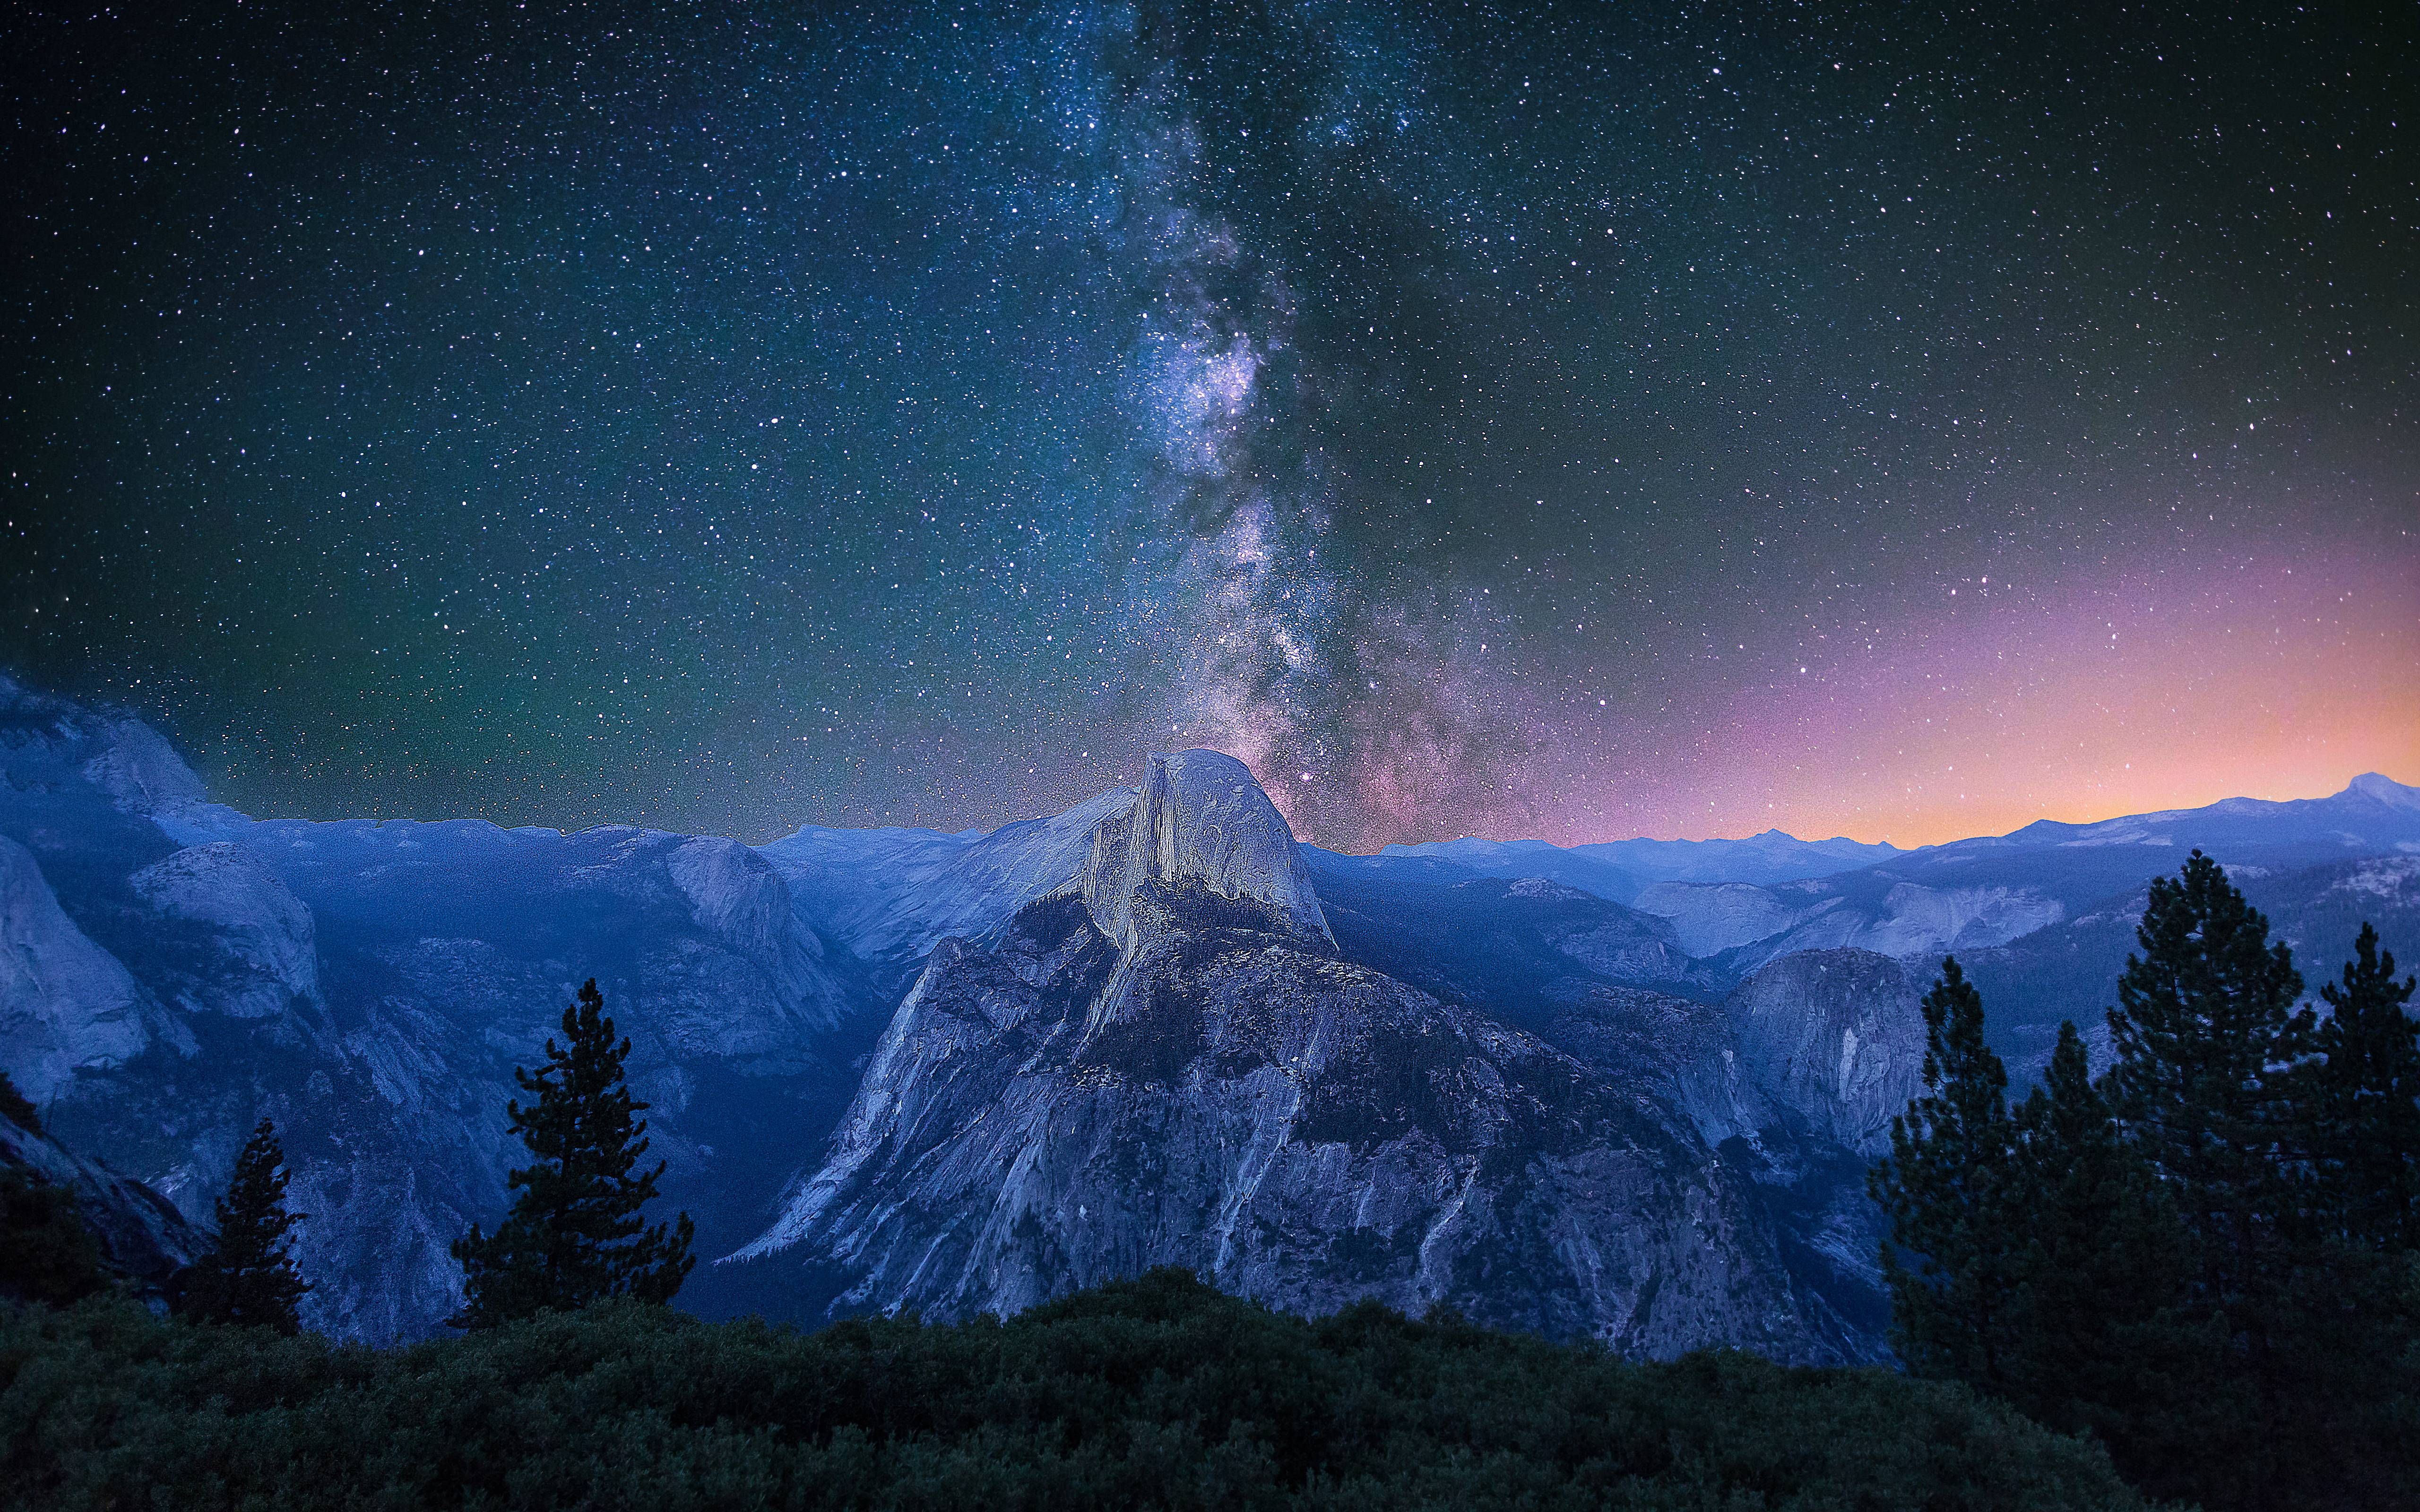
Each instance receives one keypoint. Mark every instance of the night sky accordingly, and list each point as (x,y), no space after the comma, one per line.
(1575,421)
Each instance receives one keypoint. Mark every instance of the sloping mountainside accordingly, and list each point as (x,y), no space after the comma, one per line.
(905,1069)
(1500,944)
(1173,1061)
(141,1237)
(1790,1077)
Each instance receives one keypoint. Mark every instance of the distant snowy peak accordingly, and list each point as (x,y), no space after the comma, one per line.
(2381,789)
(1199,817)
(2373,814)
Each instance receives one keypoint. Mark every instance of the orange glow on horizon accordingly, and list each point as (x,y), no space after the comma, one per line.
(2285,682)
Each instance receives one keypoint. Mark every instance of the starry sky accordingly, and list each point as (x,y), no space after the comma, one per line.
(1568,420)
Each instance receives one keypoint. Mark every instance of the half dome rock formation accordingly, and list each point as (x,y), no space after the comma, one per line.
(1200,816)
(1170,1064)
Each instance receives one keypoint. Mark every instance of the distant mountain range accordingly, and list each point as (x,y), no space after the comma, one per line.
(1620,869)
(1626,1091)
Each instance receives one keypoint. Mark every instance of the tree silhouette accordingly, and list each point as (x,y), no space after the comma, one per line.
(16,1108)
(575,1233)
(248,1277)
(1945,1188)
(2365,1102)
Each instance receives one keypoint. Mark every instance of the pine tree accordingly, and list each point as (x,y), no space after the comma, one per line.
(2206,1089)
(1945,1188)
(248,1276)
(2365,1103)
(2101,1276)
(575,1233)
(2206,1036)
(47,1253)
(2350,1333)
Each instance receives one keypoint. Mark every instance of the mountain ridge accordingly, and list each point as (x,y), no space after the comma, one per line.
(370,984)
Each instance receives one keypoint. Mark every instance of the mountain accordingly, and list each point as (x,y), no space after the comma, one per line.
(2374,814)
(171,971)
(1790,1075)
(1169,1061)
(1620,870)
(2046,913)
(1736,927)
(902,1068)
(1735,904)
(142,1239)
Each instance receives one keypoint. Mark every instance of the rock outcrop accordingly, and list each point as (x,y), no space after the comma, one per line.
(1836,1037)
(1199,817)
(66,1004)
(262,949)
(143,1237)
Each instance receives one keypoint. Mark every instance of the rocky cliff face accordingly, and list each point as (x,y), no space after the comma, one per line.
(1224,1094)
(66,1004)
(1169,1063)
(1836,1038)
(1737,928)
(261,958)
(143,1237)
(1199,817)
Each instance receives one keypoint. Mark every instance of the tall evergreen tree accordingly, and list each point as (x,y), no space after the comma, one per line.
(575,1233)
(2206,1037)
(2365,1103)
(2350,1329)
(248,1276)
(2100,1277)
(1945,1188)
(2207,1086)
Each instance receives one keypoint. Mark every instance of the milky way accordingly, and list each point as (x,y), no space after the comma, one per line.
(1568,421)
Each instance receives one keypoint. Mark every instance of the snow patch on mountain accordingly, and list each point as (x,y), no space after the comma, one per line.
(2385,877)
